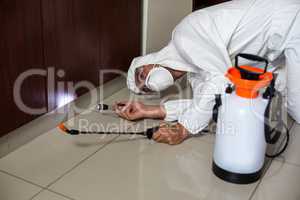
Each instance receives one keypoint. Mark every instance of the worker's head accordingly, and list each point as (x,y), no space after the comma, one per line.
(153,78)
(156,71)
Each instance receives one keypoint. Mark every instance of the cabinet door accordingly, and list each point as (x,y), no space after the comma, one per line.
(83,37)
(21,49)
(198,4)
(77,36)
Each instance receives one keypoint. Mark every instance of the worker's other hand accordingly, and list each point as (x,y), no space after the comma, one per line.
(130,110)
(171,134)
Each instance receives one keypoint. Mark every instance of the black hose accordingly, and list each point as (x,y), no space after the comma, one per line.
(285,145)
(269,94)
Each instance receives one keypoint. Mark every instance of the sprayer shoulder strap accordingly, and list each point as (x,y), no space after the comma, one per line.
(217,105)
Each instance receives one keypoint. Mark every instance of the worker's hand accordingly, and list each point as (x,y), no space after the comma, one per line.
(171,134)
(130,110)
(136,110)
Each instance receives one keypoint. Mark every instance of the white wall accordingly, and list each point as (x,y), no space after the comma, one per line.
(159,19)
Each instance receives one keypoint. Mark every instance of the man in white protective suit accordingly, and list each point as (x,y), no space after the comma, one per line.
(204,46)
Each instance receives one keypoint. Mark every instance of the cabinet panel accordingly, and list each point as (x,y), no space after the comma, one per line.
(20,49)
(80,37)
(83,37)
(120,27)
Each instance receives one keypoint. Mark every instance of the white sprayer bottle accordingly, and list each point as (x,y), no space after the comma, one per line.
(240,145)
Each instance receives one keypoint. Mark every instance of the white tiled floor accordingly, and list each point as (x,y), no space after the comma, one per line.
(63,167)
(292,156)
(281,182)
(147,170)
(47,195)
(12,188)
(51,155)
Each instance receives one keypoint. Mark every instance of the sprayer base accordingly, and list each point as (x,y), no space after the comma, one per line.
(235,177)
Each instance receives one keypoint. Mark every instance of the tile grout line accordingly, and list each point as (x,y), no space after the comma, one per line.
(260,181)
(255,189)
(43,188)
(292,125)
(287,162)
(22,179)
(51,191)
(60,194)
(88,157)
(68,171)
(80,162)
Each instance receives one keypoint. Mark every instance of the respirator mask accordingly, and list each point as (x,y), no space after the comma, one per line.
(159,79)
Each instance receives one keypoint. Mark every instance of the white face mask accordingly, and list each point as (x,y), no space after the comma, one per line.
(159,79)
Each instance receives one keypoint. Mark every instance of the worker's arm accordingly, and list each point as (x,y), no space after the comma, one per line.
(175,108)
(134,110)
(199,114)
(169,134)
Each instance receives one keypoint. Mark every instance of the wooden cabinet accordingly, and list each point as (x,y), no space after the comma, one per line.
(83,37)
(77,36)
(198,4)
(21,48)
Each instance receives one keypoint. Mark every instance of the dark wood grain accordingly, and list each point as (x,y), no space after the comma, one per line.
(78,36)
(84,37)
(20,50)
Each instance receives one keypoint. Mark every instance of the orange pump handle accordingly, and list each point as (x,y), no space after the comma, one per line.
(249,88)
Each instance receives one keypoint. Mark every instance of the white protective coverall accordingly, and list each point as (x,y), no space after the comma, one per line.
(206,42)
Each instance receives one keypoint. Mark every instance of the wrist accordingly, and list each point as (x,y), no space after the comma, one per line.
(184,132)
(155,112)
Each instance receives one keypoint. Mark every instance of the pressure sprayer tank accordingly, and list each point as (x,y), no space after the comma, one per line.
(240,145)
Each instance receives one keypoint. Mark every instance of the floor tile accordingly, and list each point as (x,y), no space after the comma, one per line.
(12,188)
(292,153)
(97,121)
(123,94)
(52,154)
(4,145)
(281,182)
(46,195)
(49,156)
(209,133)
(141,169)
(207,137)
(290,121)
